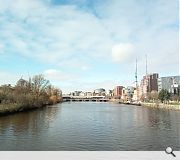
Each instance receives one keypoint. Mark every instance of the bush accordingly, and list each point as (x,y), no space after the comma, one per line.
(164,95)
(29,94)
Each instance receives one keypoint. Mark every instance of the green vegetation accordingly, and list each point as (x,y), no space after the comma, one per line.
(34,93)
(164,95)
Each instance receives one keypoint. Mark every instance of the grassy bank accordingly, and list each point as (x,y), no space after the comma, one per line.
(11,108)
(6,109)
(169,106)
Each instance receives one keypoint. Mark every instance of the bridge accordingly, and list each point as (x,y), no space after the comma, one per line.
(84,99)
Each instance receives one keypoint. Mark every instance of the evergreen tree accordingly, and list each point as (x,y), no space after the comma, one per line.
(164,95)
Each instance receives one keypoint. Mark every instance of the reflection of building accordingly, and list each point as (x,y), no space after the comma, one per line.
(118,91)
(148,83)
(171,83)
(100,92)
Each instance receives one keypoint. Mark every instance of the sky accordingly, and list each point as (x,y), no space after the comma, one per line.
(88,44)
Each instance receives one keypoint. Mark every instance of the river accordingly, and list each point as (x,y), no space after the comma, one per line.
(91,126)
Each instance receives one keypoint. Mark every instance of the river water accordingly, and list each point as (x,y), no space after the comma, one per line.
(91,126)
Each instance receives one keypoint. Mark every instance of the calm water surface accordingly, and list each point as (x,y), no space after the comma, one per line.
(91,126)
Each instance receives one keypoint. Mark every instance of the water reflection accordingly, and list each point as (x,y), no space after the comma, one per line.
(91,126)
(30,122)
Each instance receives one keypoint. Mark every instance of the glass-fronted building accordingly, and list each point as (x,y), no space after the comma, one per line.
(171,83)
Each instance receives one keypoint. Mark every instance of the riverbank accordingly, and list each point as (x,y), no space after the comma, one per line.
(123,102)
(6,109)
(170,106)
(161,106)
(115,100)
(156,105)
(9,108)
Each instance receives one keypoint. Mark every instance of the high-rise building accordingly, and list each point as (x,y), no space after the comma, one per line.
(170,83)
(136,94)
(127,93)
(118,91)
(130,91)
(110,94)
(148,83)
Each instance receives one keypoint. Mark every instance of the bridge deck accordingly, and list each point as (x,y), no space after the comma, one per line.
(84,99)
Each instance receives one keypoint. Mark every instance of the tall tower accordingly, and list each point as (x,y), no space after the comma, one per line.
(137,89)
(136,74)
(146,65)
(147,81)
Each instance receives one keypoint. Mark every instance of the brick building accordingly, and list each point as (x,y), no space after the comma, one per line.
(118,92)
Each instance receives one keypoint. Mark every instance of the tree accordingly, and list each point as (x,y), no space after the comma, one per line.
(35,92)
(154,95)
(39,85)
(164,95)
(55,94)
(6,93)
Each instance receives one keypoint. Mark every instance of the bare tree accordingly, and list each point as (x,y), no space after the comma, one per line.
(39,85)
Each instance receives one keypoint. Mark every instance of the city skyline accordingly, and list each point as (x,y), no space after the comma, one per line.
(83,45)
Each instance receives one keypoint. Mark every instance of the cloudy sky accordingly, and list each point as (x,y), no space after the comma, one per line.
(87,44)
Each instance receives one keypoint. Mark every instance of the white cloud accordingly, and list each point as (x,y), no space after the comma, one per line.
(54,34)
(8,77)
(85,68)
(67,36)
(59,33)
(122,52)
(1,47)
(55,75)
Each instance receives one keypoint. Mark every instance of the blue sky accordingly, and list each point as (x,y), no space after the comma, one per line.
(86,44)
